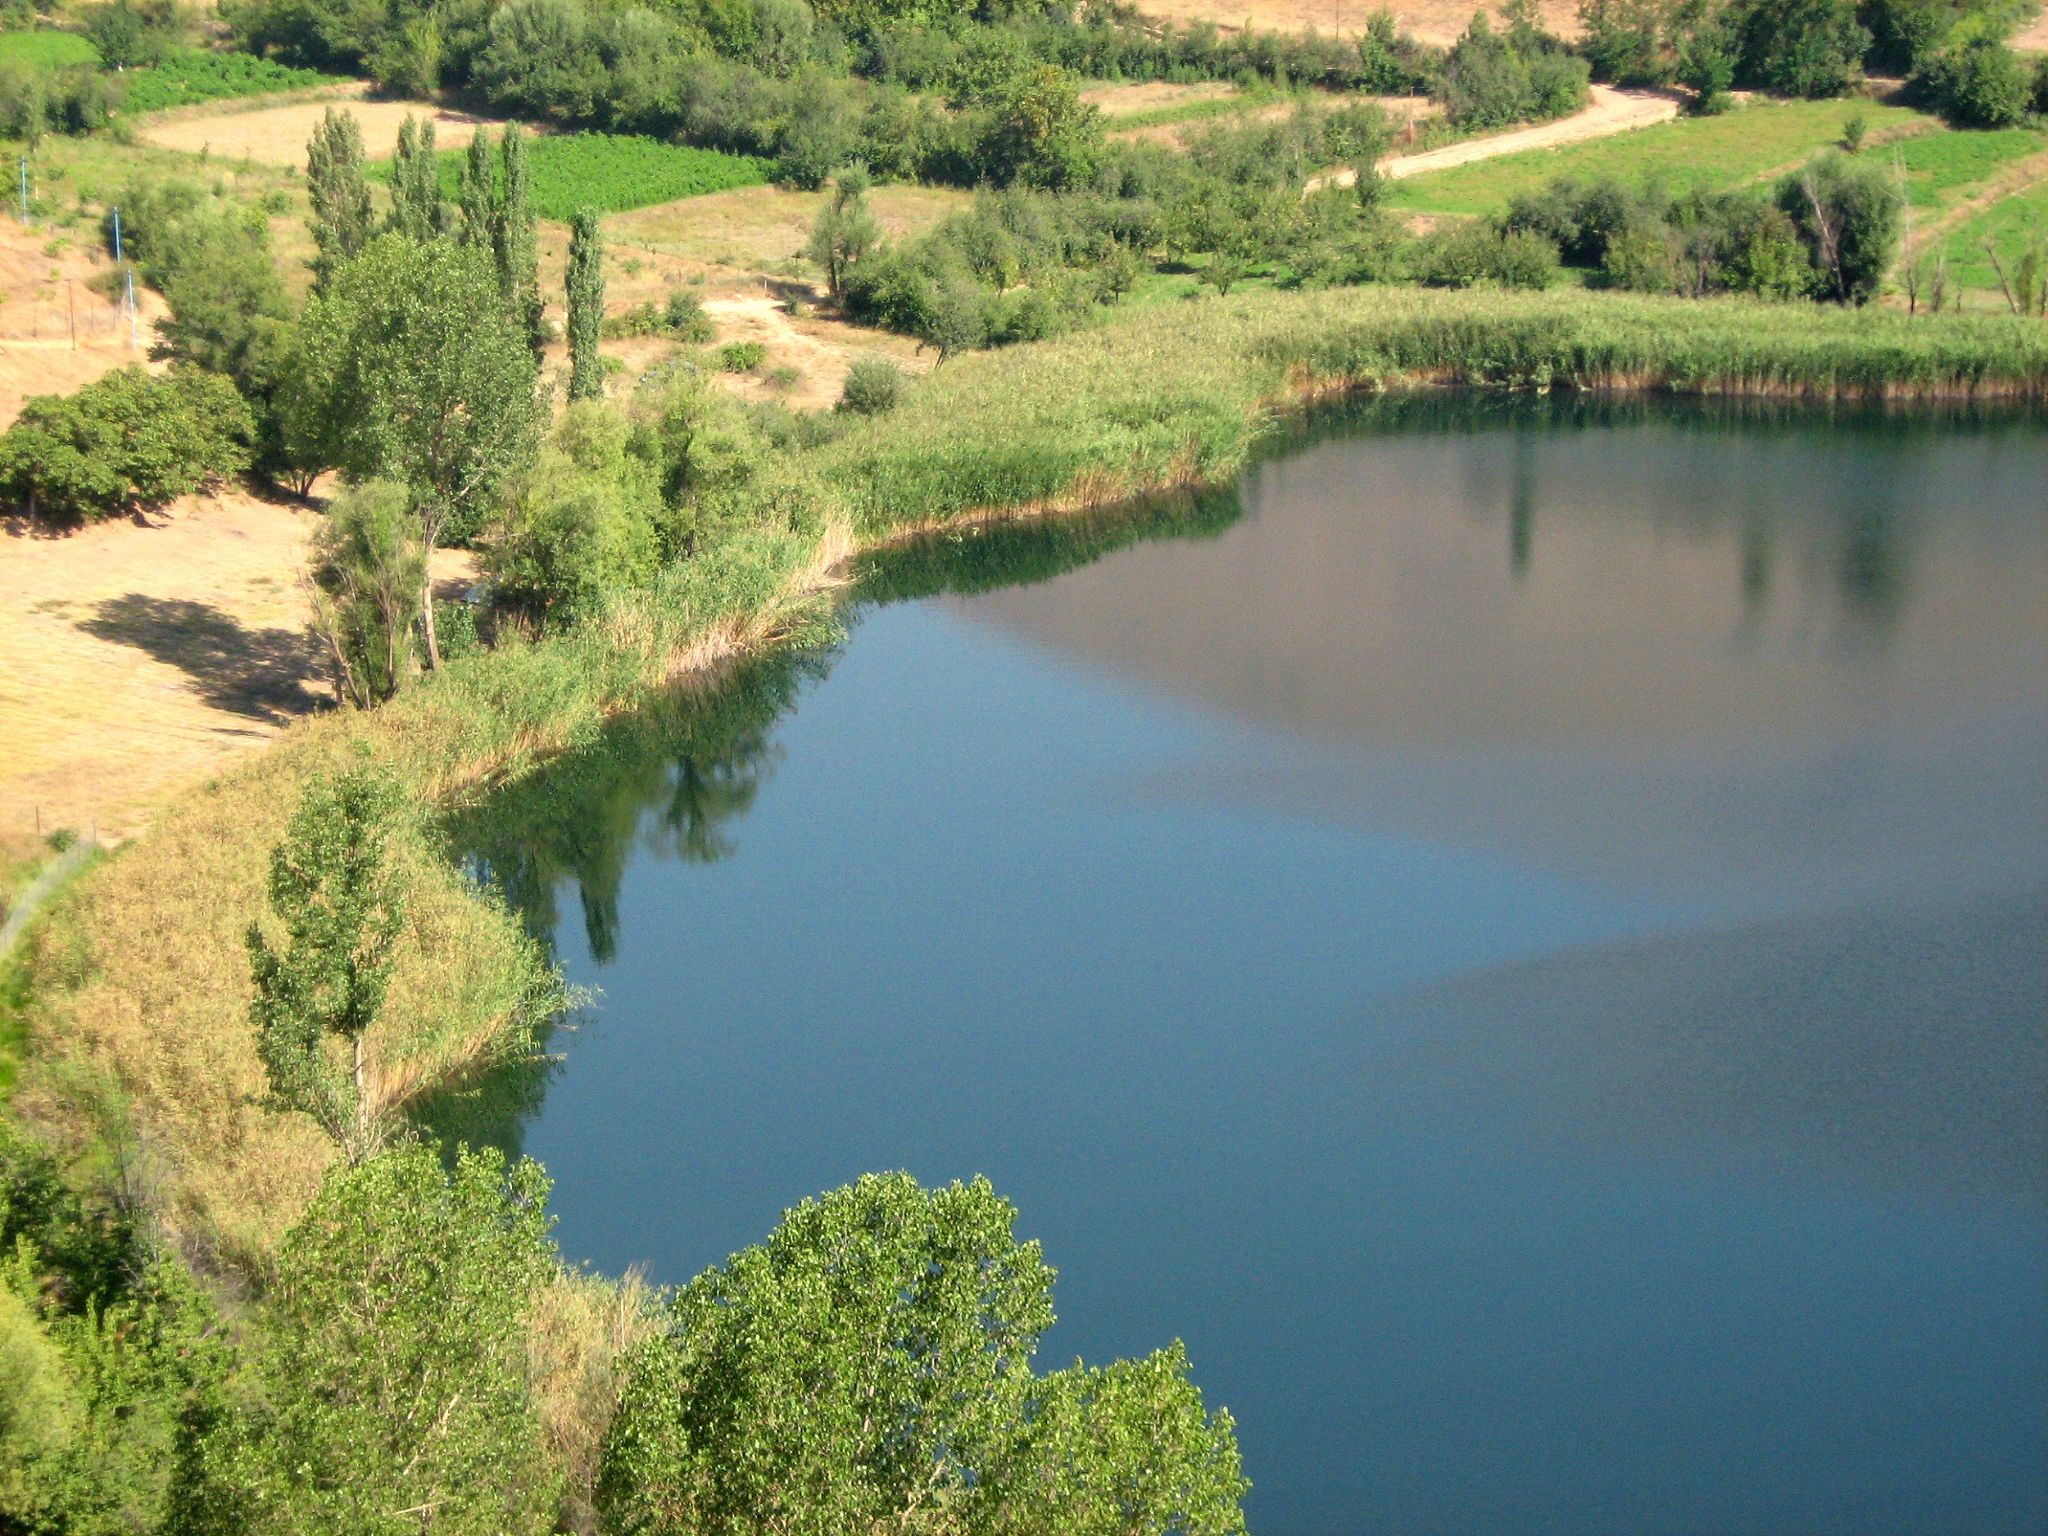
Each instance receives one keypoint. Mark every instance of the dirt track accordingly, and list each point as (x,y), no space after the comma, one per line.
(278,135)
(1429,21)
(1610,111)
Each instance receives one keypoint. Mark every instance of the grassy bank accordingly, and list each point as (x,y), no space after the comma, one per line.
(142,979)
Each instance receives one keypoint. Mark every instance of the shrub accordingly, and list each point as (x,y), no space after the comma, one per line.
(1847,213)
(1468,254)
(1801,47)
(873,387)
(741,356)
(130,440)
(1982,84)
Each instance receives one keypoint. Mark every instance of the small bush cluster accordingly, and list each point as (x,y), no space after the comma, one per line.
(680,316)
(129,441)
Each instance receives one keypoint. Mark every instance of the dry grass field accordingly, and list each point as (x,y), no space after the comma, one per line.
(754,230)
(1135,97)
(57,332)
(277,135)
(1431,21)
(137,656)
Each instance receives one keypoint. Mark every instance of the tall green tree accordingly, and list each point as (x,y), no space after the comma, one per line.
(339,191)
(1848,212)
(845,231)
(869,1368)
(477,194)
(417,209)
(586,307)
(414,372)
(337,909)
(390,1362)
(513,241)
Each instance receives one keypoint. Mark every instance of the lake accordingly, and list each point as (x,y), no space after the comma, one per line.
(1519,931)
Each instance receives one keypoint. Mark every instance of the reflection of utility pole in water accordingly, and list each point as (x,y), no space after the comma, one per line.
(1522,506)
(1756,561)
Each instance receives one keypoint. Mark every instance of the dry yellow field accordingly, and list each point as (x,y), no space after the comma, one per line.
(57,333)
(277,135)
(1431,21)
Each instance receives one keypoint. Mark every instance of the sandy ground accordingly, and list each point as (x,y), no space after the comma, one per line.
(2034,36)
(1429,21)
(822,349)
(46,302)
(278,135)
(136,656)
(1115,101)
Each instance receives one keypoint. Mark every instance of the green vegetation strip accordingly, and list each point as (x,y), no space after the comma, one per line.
(1702,153)
(2012,226)
(1173,396)
(613,172)
(46,49)
(186,77)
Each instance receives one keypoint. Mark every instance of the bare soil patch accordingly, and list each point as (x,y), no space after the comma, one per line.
(2033,37)
(277,135)
(137,656)
(57,332)
(1115,101)
(754,230)
(1429,21)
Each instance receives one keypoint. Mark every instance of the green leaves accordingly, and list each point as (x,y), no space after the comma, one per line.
(341,911)
(130,439)
(586,307)
(870,1365)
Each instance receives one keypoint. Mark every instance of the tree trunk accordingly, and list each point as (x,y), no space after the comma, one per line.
(427,613)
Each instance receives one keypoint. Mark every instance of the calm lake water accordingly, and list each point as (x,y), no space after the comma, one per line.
(1520,933)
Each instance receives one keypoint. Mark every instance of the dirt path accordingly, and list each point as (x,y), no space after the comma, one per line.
(277,135)
(821,349)
(136,656)
(2009,182)
(1610,111)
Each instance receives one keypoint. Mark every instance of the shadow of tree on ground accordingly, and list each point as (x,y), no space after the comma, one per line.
(259,674)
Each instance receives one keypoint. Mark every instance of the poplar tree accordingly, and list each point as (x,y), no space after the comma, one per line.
(341,909)
(513,241)
(586,308)
(416,210)
(340,193)
(477,192)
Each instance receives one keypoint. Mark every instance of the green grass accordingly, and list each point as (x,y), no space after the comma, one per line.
(46,49)
(1195,109)
(1942,168)
(1687,154)
(2013,225)
(193,75)
(613,172)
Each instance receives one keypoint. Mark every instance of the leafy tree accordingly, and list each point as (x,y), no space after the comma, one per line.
(586,307)
(130,36)
(333,892)
(417,211)
(1802,47)
(339,191)
(1848,214)
(477,194)
(845,231)
(414,372)
(128,440)
(390,1358)
(584,526)
(1623,40)
(513,243)
(1040,132)
(1981,84)
(367,575)
(869,1367)
(1707,59)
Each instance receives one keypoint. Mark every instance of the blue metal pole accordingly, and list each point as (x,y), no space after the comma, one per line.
(117,237)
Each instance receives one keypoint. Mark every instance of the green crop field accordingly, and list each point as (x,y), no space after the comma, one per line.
(613,172)
(192,75)
(46,49)
(1697,152)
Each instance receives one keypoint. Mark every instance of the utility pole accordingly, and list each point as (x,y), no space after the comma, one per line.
(24,191)
(117,236)
(134,316)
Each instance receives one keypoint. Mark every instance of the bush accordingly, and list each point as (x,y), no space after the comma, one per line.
(1847,213)
(128,441)
(1468,254)
(1801,47)
(873,387)
(741,356)
(1982,84)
